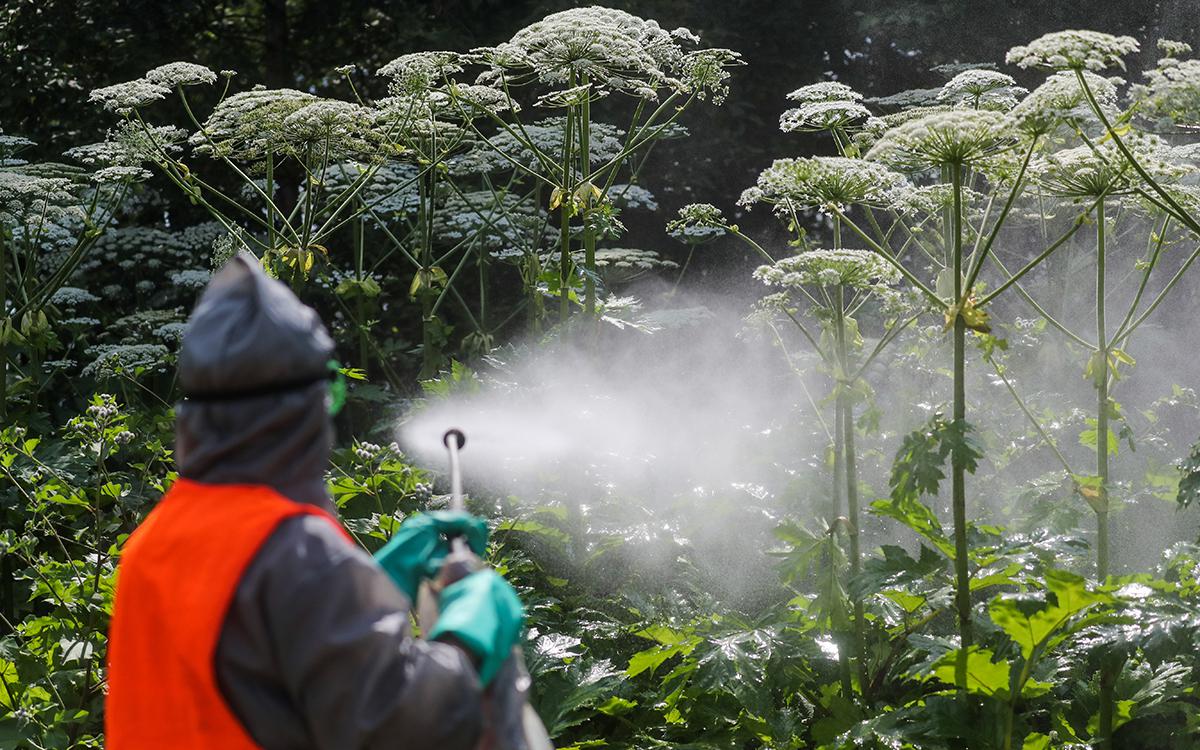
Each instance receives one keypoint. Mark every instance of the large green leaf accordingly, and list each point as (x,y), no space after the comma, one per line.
(1031,623)
(984,676)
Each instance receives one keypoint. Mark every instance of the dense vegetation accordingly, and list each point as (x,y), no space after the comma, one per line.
(964,531)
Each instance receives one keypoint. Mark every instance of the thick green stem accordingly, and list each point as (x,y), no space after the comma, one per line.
(360,298)
(7,589)
(430,356)
(962,592)
(585,172)
(851,474)
(568,203)
(1101,374)
(839,455)
(1104,730)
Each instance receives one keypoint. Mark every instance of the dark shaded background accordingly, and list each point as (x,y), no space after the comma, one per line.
(55,51)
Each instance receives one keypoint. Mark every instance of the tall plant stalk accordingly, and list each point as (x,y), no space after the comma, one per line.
(1102,372)
(845,423)
(962,589)
(585,175)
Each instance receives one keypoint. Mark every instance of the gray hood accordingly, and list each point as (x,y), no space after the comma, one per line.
(254,373)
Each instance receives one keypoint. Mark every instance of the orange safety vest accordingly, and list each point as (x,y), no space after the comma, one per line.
(178,575)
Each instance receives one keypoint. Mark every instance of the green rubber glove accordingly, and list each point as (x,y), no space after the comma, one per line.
(421,544)
(485,614)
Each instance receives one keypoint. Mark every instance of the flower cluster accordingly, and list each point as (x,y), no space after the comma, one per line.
(419,72)
(1093,171)
(192,279)
(979,88)
(616,50)
(249,125)
(1060,98)
(1073,50)
(706,72)
(336,129)
(123,98)
(632,196)
(113,360)
(698,223)
(71,297)
(859,269)
(181,74)
(825,91)
(368,453)
(40,205)
(823,106)
(823,182)
(961,136)
(1171,92)
(10,145)
(817,116)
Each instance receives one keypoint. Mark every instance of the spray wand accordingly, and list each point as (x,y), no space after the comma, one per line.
(510,723)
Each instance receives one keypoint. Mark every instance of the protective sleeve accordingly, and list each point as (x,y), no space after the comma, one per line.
(317,653)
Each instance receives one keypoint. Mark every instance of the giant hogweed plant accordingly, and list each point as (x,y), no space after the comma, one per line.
(986,140)
(51,215)
(576,61)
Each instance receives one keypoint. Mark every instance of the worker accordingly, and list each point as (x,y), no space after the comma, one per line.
(245,616)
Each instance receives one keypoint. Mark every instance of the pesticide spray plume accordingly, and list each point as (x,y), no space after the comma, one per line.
(644,418)
(711,424)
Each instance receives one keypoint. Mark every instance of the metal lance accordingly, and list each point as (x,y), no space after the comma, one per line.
(510,723)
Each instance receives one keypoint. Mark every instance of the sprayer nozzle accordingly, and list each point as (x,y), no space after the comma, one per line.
(457,435)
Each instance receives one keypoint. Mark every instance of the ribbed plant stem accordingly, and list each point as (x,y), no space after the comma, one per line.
(7,589)
(360,302)
(1108,675)
(1101,374)
(585,172)
(851,474)
(564,229)
(962,593)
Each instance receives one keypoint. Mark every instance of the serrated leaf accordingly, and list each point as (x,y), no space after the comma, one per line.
(983,675)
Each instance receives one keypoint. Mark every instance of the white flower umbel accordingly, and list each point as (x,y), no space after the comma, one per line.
(823,182)
(1073,50)
(113,360)
(859,269)
(827,115)
(961,137)
(706,72)
(123,98)
(109,175)
(979,88)
(337,129)
(1090,172)
(193,279)
(181,74)
(71,297)
(633,197)
(614,49)
(1171,92)
(421,71)
(825,91)
(1061,99)
(698,223)
(249,124)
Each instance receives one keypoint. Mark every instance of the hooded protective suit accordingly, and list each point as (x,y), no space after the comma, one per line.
(314,649)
